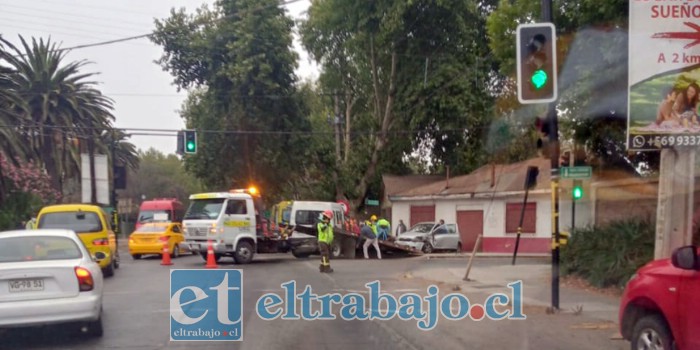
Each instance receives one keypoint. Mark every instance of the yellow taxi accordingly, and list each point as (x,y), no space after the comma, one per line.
(150,238)
(92,225)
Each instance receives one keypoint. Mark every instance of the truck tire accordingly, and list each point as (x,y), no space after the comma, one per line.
(336,250)
(300,255)
(217,257)
(244,252)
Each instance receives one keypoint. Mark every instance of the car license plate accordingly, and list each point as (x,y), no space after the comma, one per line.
(29,285)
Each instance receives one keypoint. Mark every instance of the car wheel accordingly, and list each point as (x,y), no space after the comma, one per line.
(116,261)
(651,332)
(136,256)
(459,247)
(109,270)
(244,253)
(427,248)
(176,251)
(94,328)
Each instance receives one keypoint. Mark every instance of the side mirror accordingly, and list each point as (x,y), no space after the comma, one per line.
(685,258)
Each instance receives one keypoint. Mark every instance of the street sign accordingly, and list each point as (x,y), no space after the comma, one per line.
(576,172)
(372,202)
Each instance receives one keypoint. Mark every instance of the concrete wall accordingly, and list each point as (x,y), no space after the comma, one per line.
(495,237)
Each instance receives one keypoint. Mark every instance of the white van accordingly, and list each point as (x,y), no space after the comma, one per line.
(307,213)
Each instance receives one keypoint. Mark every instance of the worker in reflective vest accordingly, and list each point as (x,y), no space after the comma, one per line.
(325,239)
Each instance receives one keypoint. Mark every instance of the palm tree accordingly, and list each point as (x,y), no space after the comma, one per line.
(11,108)
(60,105)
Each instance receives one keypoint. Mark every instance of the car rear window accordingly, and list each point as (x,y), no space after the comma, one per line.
(80,222)
(37,248)
(152,228)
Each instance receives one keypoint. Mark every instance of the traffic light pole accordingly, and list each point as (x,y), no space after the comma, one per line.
(552,119)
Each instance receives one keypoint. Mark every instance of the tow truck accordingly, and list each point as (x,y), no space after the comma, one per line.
(232,223)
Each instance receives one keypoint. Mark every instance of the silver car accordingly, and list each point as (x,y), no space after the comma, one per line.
(48,277)
(428,237)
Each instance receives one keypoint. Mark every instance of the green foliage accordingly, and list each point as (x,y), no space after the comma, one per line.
(440,86)
(608,255)
(238,62)
(53,109)
(24,189)
(160,176)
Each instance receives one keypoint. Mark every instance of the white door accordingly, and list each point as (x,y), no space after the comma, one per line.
(239,217)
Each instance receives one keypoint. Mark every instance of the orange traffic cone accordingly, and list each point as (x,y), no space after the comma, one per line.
(211,260)
(166,255)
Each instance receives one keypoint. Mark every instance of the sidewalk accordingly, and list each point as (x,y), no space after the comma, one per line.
(485,255)
(536,280)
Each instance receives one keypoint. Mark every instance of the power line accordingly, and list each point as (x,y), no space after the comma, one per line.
(111,9)
(62,27)
(109,42)
(226,132)
(72,21)
(33,9)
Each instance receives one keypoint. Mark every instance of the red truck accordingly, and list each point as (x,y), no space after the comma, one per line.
(660,307)
(160,210)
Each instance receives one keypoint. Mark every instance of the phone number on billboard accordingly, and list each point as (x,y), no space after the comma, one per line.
(665,141)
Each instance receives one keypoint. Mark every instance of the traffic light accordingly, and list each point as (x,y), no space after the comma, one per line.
(577,190)
(180,142)
(190,142)
(119,177)
(536,52)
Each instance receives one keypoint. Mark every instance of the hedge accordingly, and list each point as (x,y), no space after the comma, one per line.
(608,255)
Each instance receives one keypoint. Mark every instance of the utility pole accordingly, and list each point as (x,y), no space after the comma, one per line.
(552,119)
(113,199)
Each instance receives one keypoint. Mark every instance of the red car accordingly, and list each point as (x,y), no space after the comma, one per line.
(660,307)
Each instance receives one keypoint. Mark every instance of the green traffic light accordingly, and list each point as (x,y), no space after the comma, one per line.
(190,146)
(577,192)
(539,78)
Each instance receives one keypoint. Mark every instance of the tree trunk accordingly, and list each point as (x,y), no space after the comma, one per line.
(49,160)
(349,104)
(386,121)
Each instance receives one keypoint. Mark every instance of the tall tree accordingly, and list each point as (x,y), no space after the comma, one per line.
(398,66)
(58,104)
(238,61)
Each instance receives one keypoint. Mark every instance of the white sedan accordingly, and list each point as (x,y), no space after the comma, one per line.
(49,277)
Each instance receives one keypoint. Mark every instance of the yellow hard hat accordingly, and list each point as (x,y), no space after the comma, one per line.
(373,218)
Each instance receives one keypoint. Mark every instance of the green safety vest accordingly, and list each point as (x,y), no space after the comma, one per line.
(325,232)
(384,222)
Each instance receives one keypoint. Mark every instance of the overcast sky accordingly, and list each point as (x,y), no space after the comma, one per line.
(143,93)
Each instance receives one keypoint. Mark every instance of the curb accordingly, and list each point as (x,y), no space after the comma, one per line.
(429,257)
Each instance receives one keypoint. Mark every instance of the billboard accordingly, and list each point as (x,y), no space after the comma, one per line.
(101,178)
(664,75)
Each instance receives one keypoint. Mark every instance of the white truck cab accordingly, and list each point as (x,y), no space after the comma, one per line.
(230,220)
